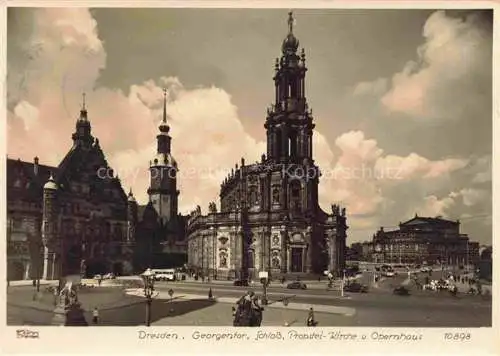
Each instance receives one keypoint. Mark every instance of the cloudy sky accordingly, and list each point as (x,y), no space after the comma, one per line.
(401,100)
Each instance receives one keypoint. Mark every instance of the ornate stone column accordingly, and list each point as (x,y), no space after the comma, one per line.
(309,251)
(332,250)
(243,249)
(284,249)
(288,259)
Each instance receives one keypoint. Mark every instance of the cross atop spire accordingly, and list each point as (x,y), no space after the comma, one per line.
(164,105)
(290,22)
(83,101)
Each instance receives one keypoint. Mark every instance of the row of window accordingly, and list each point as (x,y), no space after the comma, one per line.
(253,198)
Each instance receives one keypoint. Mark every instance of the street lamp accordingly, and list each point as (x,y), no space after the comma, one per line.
(342,284)
(149,281)
(263,276)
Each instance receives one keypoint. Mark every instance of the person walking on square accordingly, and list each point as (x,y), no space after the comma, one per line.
(310,318)
(95,316)
(256,310)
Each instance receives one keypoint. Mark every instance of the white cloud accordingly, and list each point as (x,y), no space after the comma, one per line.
(362,177)
(442,82)
(482,170)
(473,197)
(376,87)
(415,166)
(27,113)
(433,206)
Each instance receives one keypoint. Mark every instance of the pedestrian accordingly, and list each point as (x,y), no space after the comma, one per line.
(56,293)
(235,319)
(256,312)
(99,281)
(95,316)
(310,318)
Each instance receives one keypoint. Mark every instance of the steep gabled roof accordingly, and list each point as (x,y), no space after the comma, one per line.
(23,182)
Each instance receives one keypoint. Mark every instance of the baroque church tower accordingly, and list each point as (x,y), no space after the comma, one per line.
(162,191)
(289,125)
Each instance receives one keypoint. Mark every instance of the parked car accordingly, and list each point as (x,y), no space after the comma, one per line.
(109,276)
(388,274)
(97,277)
(296,285)
(356,288)
(401,290)
(240,283)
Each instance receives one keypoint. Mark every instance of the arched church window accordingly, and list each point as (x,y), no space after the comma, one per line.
(251,258)
(292,144)
(295,195)
(253,197)
(279,138)
(276,195)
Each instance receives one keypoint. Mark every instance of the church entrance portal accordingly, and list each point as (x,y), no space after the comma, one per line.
(296,259)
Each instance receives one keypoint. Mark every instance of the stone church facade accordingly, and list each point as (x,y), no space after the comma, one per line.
(269,218)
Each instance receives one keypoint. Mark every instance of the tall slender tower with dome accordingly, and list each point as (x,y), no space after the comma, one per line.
(270,219)
(160,229)
(163,191)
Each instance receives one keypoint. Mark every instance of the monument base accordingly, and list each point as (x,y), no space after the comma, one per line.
(75,316)
(59,318)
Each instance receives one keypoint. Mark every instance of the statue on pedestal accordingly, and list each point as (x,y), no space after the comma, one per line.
(68,311)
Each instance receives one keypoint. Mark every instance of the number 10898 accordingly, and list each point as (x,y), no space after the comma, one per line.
(457,336)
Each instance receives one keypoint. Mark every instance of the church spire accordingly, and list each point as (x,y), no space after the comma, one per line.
(164,126)
(163,138)
(290,43)
(291,21)
(83,110)
(83,135)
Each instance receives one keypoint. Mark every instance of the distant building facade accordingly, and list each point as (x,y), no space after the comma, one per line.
(69,219)
(360,251)
(425,239)
(270,219)
(485,263)
(159,228)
